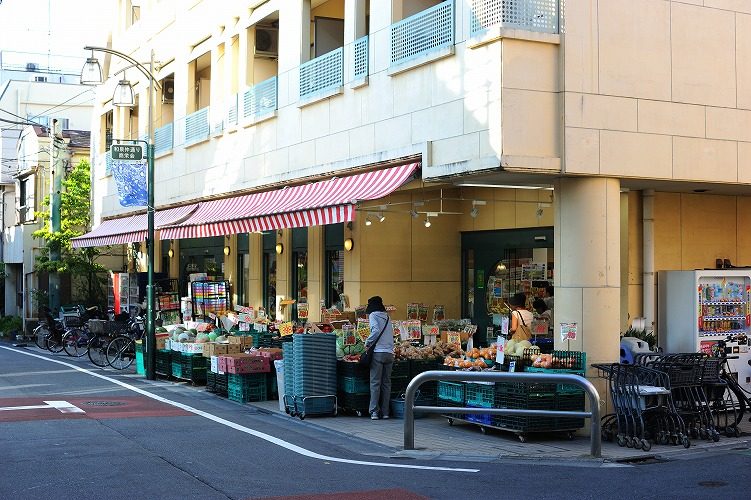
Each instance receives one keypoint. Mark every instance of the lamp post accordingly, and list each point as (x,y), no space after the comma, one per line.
(92,74)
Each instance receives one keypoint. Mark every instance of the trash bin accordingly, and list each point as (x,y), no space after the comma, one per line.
(279,367)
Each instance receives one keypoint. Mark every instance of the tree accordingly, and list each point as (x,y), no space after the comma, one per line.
(75,219)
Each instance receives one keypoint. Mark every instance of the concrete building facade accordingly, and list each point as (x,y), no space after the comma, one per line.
(620,126)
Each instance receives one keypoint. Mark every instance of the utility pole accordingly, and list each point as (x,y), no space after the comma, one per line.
(57,170)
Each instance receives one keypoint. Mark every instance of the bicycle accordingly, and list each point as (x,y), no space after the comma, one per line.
(48,335)
(121,351)
(735,397)
(78,339)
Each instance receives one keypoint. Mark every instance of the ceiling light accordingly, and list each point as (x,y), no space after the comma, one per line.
(427,221)
(381,217)
(368,221)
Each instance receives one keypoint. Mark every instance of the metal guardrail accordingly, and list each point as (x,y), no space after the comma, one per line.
(423,32)
(459,376)
(532,15)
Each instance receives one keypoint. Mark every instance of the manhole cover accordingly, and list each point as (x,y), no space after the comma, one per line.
(712,484)
(104,403)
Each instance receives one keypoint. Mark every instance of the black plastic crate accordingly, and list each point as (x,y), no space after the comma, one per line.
(417,366)
(400,369)
(347,369)
(450,404)
(163,362)
(526,401)
(354,402)
(399,384)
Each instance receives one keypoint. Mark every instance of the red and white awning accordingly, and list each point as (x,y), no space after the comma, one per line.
(317,203)
(131,228)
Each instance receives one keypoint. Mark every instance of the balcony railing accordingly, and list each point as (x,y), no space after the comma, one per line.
(422,33)
(324,73)
(360,58)
(232,111)
(164,138)
(197,126)
(532,15)
(260,99)
(108,162)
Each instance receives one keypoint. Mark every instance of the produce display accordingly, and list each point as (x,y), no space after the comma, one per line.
(474,359)
(405,350)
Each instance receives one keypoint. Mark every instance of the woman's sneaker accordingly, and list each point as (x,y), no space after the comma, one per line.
(385,417)
(374,415)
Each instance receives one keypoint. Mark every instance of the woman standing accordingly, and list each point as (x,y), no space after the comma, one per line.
(521,318)
(382,336)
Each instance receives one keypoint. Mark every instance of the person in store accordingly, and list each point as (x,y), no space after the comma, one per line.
(543,313)
(548,298)
(521,318)
(382,334)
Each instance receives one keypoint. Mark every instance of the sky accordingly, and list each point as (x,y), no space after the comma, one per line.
(57,27)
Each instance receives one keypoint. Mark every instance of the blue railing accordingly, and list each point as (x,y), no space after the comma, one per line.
(532,15)
(197,126)
(260,99)
(422,33)
(108,163)
(322,74)
(360,58)
(232,111)
(164,138)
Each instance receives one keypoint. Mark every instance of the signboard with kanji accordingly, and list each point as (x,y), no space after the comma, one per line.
(127,152)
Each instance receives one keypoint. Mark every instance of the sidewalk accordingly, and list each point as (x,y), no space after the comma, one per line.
(436,439)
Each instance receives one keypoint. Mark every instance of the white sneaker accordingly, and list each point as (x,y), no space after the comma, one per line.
(385,417)
(374,415)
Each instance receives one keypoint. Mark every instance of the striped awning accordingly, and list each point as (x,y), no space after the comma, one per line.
(317,203)
(131,228)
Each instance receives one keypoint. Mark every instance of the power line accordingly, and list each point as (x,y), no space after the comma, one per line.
(64,102)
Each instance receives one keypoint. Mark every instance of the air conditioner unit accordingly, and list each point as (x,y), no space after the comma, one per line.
(168,91)
(267,42)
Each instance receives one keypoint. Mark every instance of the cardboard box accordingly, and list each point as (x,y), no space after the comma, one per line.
(234,348)
(214,349)
(464,336)
(242,340)
(272,353)
(244,363)
(193,347)
(214,364)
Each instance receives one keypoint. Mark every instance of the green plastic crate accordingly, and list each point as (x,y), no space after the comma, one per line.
(452,391)
(354,385)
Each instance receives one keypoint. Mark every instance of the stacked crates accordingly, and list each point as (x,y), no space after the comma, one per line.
(216,383)
(164,362)
(189,366)
(314,385)
(354,386)
(428,390)
(400,378)
(289,377)
(451,394)
(246,387)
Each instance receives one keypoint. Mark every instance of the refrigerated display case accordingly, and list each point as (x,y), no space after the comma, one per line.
(697,309)
(123,294)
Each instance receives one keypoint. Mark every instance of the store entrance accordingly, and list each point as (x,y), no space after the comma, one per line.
(509,261)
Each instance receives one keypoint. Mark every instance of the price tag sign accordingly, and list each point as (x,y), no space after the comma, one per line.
(244,327)
(363,329)
(245,318)
(504,326)
(243,309)
(212,315)
(471,329)
(349,334)
(500,345)
(454,338)
(414,329)
(568,331)
(302,311)
(286,329)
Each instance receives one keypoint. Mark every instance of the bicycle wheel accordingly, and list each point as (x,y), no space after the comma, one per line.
(121,352)
(55,342)
(76,342)
(98,351)
(41,333)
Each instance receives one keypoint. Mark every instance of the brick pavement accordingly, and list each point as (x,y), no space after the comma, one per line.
(436,439)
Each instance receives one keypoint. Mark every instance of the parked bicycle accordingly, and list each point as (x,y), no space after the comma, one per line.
(49,334)
(77,339)
(121,351)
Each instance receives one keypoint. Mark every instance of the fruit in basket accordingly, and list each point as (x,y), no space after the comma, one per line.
(510,347)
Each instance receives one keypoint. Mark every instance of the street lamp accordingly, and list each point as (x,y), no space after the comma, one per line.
(91,74)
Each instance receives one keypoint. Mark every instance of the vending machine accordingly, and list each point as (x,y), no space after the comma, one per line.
(697,309)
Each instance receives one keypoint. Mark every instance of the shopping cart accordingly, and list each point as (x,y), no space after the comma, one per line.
(686,372)
(643,408)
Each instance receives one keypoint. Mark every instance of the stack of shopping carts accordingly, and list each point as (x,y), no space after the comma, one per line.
(644,411)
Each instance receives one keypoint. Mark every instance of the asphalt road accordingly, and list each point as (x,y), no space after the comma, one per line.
(119,436)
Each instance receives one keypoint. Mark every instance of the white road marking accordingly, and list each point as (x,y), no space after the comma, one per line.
(65,407)
(26,374)
(261,435)
(61,406)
